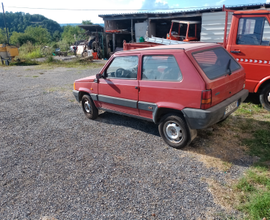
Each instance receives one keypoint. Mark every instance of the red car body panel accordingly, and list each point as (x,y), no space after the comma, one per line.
(145,97)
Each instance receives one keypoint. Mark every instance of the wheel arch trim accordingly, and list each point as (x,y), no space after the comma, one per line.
(261,82)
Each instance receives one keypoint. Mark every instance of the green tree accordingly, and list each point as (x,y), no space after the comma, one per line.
(70,31)
(56,36)
(41,35)
(21,38)
(3,36)
(19,21)
(87,22)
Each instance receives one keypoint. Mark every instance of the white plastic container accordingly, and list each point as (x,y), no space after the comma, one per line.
(90,53)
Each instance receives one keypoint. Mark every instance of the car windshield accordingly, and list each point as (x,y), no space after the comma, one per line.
(216,62)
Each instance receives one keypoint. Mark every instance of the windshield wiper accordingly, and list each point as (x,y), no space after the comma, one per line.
(228,68)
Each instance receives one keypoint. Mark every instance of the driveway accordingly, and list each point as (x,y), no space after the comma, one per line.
(56,162)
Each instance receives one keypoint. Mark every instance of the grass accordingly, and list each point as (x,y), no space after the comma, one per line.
(254,193)
(75,63)
(243,138)
(253,189)
(52,63)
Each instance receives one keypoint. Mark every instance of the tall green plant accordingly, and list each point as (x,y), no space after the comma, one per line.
(41,35)
(71,31)
(3,36)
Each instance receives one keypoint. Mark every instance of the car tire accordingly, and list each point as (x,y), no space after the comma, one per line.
(265,97)
(89,108)
(174,131)
(84,53)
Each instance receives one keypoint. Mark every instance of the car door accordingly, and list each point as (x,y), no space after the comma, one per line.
(118,90)
(250,47)
(161,83)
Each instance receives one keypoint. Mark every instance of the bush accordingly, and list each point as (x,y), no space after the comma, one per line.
(29,51)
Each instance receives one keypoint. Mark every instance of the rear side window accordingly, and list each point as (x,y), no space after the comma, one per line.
(216,62)
(161,68)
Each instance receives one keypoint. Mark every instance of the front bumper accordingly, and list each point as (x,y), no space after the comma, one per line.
(199,118)
(76,94)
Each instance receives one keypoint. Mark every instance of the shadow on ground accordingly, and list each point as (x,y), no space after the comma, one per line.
(218,145)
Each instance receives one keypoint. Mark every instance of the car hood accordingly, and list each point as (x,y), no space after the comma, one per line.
(87,79)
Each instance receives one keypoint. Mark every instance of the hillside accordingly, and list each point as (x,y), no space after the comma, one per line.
(19,21)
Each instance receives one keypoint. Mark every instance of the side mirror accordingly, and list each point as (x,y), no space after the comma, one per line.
(98,76)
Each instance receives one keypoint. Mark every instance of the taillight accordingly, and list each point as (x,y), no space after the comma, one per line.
(206,99)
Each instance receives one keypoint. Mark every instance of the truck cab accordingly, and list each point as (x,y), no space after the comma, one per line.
(184,31)
(249,43)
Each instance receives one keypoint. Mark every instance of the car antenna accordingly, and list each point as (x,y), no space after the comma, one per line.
(5,22)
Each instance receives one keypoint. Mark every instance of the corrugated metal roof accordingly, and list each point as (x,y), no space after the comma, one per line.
(235,7)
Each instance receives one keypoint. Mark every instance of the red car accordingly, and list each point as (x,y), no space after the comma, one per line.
(180,88)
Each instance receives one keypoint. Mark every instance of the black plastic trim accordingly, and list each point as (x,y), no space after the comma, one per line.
(118,101)
(125,114)
(94,96)
(148,106)
(199,118)
(76,94)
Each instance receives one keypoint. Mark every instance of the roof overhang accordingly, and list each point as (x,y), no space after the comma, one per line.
(92,27)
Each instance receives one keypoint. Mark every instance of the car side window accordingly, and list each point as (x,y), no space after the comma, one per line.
(160,68)
(253,31)
(125,67)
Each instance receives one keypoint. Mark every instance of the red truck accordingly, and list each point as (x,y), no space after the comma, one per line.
(249,43)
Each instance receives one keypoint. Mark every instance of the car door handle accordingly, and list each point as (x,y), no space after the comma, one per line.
(235,51)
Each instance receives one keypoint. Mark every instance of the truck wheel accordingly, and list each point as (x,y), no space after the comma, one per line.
(174,131)
(89,108)
(265,97)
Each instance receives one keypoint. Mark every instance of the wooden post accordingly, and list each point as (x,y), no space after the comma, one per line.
(113,42)
(5,22)
(131,23)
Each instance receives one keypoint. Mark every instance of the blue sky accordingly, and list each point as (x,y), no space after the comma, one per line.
(96,7)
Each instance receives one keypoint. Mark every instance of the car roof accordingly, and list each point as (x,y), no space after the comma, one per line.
(186,46)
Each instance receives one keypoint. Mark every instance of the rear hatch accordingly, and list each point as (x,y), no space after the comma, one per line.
(223,76)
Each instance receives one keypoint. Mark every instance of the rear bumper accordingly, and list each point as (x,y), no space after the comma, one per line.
(199,119)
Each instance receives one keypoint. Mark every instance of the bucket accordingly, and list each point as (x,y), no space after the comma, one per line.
(95,56)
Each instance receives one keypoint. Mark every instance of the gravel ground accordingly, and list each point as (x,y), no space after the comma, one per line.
(55,162)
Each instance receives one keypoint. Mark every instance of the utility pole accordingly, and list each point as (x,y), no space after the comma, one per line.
(5,22)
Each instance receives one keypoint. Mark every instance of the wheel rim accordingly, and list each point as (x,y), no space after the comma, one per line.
(173,132)
(87,106)
(268,97)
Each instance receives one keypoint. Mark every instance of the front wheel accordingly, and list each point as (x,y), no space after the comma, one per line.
(174,131)
(265,97)
(89,108)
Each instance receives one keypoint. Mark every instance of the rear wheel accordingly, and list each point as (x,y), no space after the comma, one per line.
(89,108)
(265,97)
(174,131)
